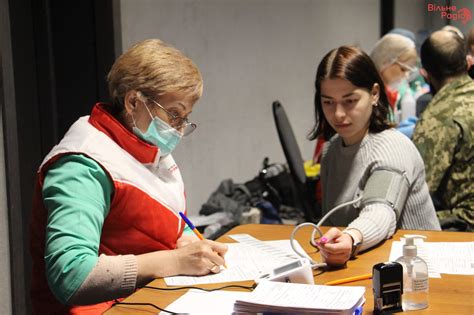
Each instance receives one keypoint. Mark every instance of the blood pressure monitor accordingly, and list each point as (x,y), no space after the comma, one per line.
(298,271)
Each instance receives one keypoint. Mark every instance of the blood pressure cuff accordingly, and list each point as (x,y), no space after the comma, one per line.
(387,186)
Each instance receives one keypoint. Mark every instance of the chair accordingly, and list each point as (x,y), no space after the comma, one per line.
(305,193)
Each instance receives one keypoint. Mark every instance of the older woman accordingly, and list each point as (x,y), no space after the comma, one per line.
(396,60)
(105,214)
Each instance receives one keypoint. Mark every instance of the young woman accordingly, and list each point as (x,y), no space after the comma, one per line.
(364,157)
(105,214)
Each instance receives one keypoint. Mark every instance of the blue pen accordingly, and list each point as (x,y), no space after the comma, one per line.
(358,310)
(192,227)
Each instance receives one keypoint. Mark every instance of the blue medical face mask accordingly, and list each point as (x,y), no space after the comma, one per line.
(160,134)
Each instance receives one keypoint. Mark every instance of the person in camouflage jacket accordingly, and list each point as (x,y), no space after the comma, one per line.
(444,134)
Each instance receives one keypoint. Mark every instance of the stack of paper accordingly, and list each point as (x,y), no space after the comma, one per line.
(280,297)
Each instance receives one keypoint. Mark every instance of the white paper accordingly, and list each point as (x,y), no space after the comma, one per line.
(453,258)
(285,295)
(422,251)
(277,249)
(244,262)
(441,257)
(296,295)
(201,302)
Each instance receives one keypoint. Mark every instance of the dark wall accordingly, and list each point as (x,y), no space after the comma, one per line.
(387,16)
(83,53)
(55,56)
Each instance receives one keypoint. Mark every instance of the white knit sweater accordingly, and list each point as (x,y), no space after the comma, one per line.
(345,170)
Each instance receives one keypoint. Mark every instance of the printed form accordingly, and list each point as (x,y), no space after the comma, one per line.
(245,261)
(455,258)
(299,298)
(281,297)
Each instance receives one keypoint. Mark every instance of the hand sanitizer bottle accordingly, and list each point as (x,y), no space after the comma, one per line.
(415,276)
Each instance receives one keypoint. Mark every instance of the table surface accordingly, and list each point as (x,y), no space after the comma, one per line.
(451,294)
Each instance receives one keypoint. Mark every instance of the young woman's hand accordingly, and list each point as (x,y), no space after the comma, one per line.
(335,247)
(200,258)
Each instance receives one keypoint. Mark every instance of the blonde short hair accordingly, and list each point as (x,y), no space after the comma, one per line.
(154,68)
(389,48)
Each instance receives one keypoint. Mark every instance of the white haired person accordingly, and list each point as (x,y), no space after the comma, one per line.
(396,60)
(108,196)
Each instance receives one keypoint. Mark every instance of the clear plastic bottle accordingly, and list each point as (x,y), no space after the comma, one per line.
(407,105)
(415,276)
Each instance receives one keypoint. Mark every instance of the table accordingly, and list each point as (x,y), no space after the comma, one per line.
(452,294)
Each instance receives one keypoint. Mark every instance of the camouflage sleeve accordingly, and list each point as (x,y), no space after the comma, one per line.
(458,219)
(439,153)
(462,182)
(437,146)
(465,213)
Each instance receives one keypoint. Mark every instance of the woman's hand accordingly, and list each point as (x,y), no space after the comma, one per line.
(335,247)
(185,240)
(200,258)
(196,258)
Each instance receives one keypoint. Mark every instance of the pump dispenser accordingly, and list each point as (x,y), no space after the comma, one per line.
(415,276)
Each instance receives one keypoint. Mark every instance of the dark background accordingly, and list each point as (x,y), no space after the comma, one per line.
(55,57)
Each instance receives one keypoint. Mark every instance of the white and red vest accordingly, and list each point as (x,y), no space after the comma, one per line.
(143,216)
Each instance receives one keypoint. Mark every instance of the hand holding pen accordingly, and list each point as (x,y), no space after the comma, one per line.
(207,255)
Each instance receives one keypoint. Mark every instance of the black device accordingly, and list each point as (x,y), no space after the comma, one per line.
(304,187)
(387,284)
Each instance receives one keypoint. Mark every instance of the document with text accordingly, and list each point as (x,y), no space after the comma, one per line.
(456,258)
(281,297)
(269,296)
(245,261)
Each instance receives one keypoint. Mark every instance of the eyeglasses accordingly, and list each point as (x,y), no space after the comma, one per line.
(411,72)
(406,67)
(181,124)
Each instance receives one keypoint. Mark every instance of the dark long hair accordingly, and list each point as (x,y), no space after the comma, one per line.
(354,65)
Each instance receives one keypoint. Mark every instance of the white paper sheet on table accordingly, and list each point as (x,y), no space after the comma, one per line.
(442,257)
(287,297)
(244,262)
(201,302)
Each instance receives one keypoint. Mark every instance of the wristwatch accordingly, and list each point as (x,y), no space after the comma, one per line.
(356,244)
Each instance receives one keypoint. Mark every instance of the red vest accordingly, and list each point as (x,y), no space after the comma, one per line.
(143,216)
